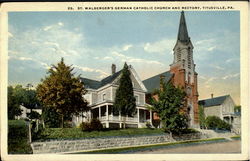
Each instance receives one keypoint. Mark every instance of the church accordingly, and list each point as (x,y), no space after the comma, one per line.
(182,73)
(101,94)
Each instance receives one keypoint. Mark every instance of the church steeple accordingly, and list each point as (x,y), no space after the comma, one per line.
(183,33)
(183,70)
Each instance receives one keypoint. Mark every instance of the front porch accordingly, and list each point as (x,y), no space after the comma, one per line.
(109,119)
(229,118)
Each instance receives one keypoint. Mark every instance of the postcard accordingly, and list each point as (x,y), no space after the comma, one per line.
(124,81)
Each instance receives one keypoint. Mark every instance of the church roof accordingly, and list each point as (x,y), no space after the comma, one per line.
(183,32)
(154,82)
(216,101)
(94,84)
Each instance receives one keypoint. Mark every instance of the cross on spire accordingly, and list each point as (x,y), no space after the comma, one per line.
(183,33)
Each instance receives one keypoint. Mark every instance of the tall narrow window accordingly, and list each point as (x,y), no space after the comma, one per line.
(137,99)
(189,57)
(178,54)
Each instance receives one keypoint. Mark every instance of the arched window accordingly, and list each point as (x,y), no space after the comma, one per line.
(104,97)
(189,77)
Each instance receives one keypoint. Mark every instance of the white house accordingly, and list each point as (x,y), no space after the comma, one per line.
(101,94)
(223,107)
(26,111)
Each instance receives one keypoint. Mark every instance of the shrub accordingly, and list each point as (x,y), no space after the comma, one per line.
(188,131)
(67,124)
(36,130)
(156,122)
(85,126)
(214,122)
(18,142)
(94,125)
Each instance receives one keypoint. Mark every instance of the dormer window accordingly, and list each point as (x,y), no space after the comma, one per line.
(104,97)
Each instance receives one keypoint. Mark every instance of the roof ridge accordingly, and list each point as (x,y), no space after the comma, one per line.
(89,79)
(156,75)
(111,75)
(215,97)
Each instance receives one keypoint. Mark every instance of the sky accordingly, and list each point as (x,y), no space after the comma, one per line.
(92,41)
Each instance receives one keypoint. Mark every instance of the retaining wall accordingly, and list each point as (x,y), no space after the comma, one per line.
(95,143)
(104,143)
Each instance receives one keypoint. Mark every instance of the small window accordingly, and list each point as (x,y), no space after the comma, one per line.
(104,97)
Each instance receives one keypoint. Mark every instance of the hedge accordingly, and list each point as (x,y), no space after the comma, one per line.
(18,141)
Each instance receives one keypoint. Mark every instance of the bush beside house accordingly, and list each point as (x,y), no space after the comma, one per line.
(94,125)
(214,122)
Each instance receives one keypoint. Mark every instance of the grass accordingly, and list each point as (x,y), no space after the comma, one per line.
(237,137)
(76,133)
(18,137)
(150,147)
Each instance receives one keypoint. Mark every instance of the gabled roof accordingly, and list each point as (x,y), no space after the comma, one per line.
(216,101)
(89,83)
(110,78)
(94,84)
(154,82)
(183,32)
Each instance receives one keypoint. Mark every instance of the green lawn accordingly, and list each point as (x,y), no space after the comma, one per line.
(150,147)
(237,137)
(76,133)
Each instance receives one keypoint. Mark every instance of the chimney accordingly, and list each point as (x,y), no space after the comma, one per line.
(113,68)
(162,77)
(212,95)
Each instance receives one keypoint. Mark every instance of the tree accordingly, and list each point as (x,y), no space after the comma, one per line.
(31,101)
(124,99)
(33,115)
(237,108)
(51,118)
(169,106)
(61,91)
(13,104)
(202,117)
(21,96)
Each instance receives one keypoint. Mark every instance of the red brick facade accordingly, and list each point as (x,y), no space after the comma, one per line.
(179,81)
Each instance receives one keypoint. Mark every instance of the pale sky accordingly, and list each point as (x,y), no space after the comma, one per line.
(92,41)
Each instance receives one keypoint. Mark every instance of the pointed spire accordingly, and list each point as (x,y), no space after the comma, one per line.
(183,33)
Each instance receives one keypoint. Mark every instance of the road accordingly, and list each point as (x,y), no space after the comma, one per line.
(222,147)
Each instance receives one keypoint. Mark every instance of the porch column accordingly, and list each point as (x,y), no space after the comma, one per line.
(107,112)
(89,115)
(150,111)
(138,115)
(99,113)
(119,116)
(120,119)
(230,121)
